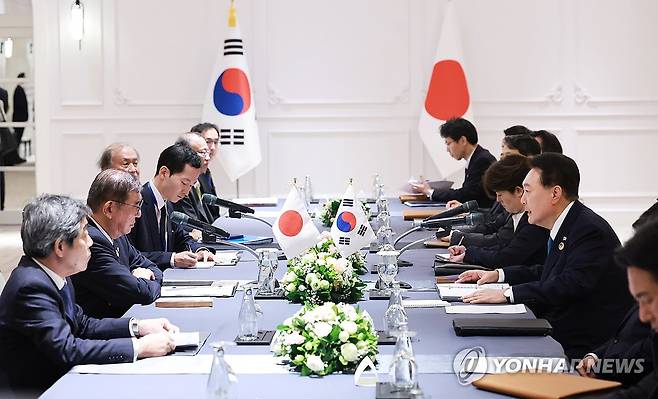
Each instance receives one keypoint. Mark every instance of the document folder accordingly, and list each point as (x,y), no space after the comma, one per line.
(501,327)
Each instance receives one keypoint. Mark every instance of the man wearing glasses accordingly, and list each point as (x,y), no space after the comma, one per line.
(118,275)
(210,133)
(191,205)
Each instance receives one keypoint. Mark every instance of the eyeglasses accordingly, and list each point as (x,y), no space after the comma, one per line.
(203,154)
(138,206)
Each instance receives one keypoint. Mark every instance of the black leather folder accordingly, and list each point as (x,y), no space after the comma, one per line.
(447,269)
(501,327)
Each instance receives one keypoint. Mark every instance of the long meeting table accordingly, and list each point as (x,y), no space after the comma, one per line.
(435,338)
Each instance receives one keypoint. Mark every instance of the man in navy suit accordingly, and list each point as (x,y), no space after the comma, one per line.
(43,332)
(191,205)
(528,244)
(154,235)
(461,140)
(118,275)
(578,289)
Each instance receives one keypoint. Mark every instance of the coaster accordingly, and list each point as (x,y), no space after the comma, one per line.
(374,248)
(379,295)
(278,294)
(386,390)
(384,339)
(264,338)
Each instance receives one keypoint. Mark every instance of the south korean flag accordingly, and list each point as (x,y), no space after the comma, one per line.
(351,230)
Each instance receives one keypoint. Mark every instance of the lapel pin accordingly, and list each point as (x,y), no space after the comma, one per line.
(561,246)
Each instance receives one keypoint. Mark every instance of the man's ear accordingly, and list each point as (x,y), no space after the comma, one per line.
(58,248)
(108,209)
(164,171)
(556,194)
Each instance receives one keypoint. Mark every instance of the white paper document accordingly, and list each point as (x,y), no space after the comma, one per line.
(486,309)
(218,289)
(424,303)
(455,291)
(257,201)
(186,339)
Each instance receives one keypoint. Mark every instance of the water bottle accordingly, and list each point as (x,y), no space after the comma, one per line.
(376,182)
(248,317)
(403,370)
(387,268)
(308,190)
(222,381)
(395,315)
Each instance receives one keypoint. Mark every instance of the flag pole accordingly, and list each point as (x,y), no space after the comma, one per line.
(237,188)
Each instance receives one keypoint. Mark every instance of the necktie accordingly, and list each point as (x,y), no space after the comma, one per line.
(549,246)
(116,248)
(163,227)
(69,303)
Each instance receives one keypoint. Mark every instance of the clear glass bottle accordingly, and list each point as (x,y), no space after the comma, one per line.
(384,238)
(403,370)
(395,315)
(222,381)
(248,317)
(308,190)
(387,268)
(376,182)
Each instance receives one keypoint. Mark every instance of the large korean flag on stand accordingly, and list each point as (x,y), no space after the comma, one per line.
(294,230)
(229,104)
(447,94)
(351,230)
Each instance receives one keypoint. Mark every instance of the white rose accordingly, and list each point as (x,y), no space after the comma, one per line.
(302,288)
(291,287)
(349,352)
(321,329)
(315,363)
(295,338)
(340,265)
(326,312)
(348,311)
(349,326)
(343,336)
(289,277)
(310,278)
(323,284)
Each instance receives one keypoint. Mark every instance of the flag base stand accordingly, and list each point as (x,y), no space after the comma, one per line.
(277,294)
(263,338)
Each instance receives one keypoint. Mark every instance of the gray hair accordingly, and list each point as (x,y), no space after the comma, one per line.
(105,161)
(111,185)
(48,218)
(187,138)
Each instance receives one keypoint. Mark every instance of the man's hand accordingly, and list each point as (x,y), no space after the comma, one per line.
(487,295)
(204,256)
(457,253)
(185,259)
(196,234)
(584,367)
(155,326)
(423,187)
(478,276)
(153,345)
(144,273)
(452,204)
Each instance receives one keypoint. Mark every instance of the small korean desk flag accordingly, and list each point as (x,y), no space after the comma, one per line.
(351,230)
(229,104)
(294,230)
(447,94)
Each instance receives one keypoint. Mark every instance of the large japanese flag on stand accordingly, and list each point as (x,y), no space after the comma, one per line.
(351,230)
(447,94)
(230,105)
(294,230)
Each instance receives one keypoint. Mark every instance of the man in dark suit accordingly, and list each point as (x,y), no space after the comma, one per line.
(461,140)
(163,243)
(43,332)
(118,275)
(528,244)
(20,109)
(578,289)
(210,133)
(191,205)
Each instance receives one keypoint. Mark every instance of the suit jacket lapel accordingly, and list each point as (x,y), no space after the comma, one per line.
(150,217)
(561,239)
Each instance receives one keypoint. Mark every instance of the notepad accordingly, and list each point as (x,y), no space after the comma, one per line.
(424,303)
(186,339)
(217,289)
(184,302)
(257,201)
(455,292)
(486,309)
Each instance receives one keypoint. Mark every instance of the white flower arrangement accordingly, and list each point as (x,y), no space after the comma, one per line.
(327,338)
(321,275)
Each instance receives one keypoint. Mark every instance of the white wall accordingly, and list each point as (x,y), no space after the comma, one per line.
(338,86)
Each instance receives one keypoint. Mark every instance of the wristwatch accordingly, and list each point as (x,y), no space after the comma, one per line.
(134,327)
(508,294)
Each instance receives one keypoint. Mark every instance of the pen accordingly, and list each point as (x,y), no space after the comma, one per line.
(460,241)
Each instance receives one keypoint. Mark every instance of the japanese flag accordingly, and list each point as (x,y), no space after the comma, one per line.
(351,230)
(447,94)
(294,230)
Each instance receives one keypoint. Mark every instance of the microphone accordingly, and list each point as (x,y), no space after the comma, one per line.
(210,199)
(470,219)
(463,208)
(184,220)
